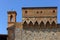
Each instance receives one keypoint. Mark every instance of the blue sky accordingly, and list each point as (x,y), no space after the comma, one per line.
(11,5)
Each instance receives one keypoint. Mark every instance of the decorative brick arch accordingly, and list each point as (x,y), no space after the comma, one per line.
(42,24)
(47,24)
(53,24)
(36,24)
(25,24)
(30,24)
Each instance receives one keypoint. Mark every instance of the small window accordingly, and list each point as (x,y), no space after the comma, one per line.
(11,18)
(25,11)
(40,11)
(53,11)
(37,12)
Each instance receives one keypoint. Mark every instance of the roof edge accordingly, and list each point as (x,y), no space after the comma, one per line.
(39,7)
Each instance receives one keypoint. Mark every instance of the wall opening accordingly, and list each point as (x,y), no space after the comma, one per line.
(47,24)
(25,24)
(36,24)
(53,24)
(30,24)
(42,24)
(11,18)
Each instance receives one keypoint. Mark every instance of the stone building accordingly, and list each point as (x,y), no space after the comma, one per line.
(38,23)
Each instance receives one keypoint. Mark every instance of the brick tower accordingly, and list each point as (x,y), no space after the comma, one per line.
(11,18)
(11,22)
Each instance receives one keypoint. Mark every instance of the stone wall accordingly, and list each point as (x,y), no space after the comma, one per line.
(37,34)
(18,34)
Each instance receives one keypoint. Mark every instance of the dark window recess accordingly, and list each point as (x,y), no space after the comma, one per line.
(53,11)
(40,11)
(11,18)
(25,11)
(37,12)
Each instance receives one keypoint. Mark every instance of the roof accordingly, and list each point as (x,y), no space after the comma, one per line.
(9,12)
(38,7)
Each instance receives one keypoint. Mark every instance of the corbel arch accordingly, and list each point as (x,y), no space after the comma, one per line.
(30,24)
(42,24)
(36,24)
(53,24)
(48,24)
(25,24)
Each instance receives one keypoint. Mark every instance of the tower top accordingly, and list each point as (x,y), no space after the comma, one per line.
(11,18)
(12,12)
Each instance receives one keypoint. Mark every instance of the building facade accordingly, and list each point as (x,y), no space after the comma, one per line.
(38,23)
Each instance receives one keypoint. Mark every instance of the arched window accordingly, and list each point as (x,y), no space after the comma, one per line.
(53,24)
(11,18)
(47,24)
(30,24)
(36,25)
(42,24)
(25,24)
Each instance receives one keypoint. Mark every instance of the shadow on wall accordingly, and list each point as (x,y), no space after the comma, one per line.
(42,27)
(43,30)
